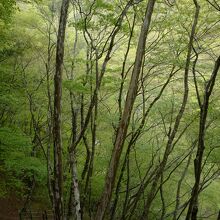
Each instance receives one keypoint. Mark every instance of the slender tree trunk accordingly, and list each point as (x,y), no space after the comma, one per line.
(218,218)
(58,170)
(125,205)
(193,205)
(49,120)
(123,125)
(75,193)
(118,186)
(163,209)
(74,206)
(82,109)
(74,203)
(87,189)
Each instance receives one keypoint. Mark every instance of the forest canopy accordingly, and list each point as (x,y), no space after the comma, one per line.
(110,109)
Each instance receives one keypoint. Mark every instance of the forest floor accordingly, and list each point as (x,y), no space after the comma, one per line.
(10,206)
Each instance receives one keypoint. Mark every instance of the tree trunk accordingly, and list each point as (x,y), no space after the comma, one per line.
(74,203)
(58,171)
(123,125)
(218,218)
(75,193)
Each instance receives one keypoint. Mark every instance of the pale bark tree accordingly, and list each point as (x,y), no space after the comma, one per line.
(74,206)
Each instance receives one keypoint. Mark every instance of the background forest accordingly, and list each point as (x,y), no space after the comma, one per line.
(110,109)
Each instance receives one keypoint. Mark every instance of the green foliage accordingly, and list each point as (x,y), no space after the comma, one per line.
(16,160)
(6,9)
(76,86)
(27,69)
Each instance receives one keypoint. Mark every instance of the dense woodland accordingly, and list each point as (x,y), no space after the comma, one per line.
(110,109)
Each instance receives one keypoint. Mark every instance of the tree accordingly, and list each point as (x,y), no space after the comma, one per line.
(124,122)
(58,169)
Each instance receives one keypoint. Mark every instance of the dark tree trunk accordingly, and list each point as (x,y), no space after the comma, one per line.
(218,218)
(193,205)
(58,170)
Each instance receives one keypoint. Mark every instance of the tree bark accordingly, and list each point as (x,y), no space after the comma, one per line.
(58,170)
(218,218)
(74,207)
(123,125)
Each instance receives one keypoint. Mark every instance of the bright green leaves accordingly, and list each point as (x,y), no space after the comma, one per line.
(6,9)
(73,86)
(111,83)
(76,85)
(13,140)
(104,5)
